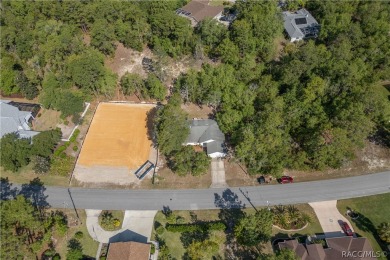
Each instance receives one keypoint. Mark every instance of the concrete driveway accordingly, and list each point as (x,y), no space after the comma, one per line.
(136,226)
(218,173)
(330,218)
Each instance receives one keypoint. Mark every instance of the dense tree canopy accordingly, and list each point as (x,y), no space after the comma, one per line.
(306,105)
(18,152)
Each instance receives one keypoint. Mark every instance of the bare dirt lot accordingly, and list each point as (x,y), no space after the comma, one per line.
(116,144)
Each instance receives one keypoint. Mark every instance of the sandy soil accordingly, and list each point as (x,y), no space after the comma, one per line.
(195,111)
(128,60)
(117,136)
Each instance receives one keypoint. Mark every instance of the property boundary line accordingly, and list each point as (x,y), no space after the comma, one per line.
(74,129)
(82,143)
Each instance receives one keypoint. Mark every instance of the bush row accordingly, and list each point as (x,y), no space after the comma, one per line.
(204,226)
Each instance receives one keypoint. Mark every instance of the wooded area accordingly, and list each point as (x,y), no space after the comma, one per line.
(310,107)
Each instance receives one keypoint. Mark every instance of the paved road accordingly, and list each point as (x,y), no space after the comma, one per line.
(193,199)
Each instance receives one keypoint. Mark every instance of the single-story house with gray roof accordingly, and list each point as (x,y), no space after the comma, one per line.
(206,133)
(300,25)
(14,120)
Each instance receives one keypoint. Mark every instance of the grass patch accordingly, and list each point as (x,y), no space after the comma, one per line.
(174,241)
(90,246)
(26,174)
(372,211)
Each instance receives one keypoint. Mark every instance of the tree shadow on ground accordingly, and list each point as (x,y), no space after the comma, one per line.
(150,120)
(231,212)
(35,191)
(6,190)
(364,224)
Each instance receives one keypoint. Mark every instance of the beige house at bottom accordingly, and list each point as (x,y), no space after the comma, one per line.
(128,251)
(338,248)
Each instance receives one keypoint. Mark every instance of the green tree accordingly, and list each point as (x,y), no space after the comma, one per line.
(155,87)
(102,36)
(44,143)
(87,71)
(132,83)
(198,250)
(21,224)
(15,152)
(172,126)
(254,229)
(211,33)
(41,164)
(384,231)
(75,250)
(187,161)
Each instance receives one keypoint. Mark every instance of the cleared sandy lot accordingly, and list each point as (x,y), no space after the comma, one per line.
(117,144)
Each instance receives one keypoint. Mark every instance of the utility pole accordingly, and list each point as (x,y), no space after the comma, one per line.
(74,207)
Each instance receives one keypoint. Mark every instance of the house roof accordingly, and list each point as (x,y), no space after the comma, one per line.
(199,10)
(14,120)
(203,130)
(206,131)
(334,251)
(128,251)
(300,24)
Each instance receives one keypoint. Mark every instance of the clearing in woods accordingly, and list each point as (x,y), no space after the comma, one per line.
(117,143)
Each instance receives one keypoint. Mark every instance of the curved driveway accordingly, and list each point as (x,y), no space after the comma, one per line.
(212,198)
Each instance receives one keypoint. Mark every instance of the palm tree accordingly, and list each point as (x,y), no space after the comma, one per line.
(384,231)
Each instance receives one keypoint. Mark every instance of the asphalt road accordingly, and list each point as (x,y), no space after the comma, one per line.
(193,199)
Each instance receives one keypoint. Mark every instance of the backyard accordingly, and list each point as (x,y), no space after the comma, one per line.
(372,211)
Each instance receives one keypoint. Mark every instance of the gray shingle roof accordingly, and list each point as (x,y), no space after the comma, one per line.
(14,120)
(300,24)
(206,131)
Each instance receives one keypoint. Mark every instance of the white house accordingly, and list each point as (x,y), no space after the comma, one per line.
(206,133)
(300,25)
(14,120)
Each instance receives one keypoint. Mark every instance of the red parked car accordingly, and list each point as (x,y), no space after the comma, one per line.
(285,179)
(347,230)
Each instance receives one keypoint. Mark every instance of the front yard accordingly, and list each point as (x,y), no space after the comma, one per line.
(372,211)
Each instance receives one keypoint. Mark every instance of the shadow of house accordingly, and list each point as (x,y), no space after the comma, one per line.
(127,236)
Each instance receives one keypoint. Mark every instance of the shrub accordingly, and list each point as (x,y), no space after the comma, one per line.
(41,164)
(108,222)
(152,249)
(75,148)
(79,235)
(180,220)
(160,230)
(205,226)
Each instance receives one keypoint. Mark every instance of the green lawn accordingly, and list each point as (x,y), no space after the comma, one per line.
(372,210)
(26,174)
(173,240)
(90,246)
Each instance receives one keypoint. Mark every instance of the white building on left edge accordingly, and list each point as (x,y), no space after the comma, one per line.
(15,120)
